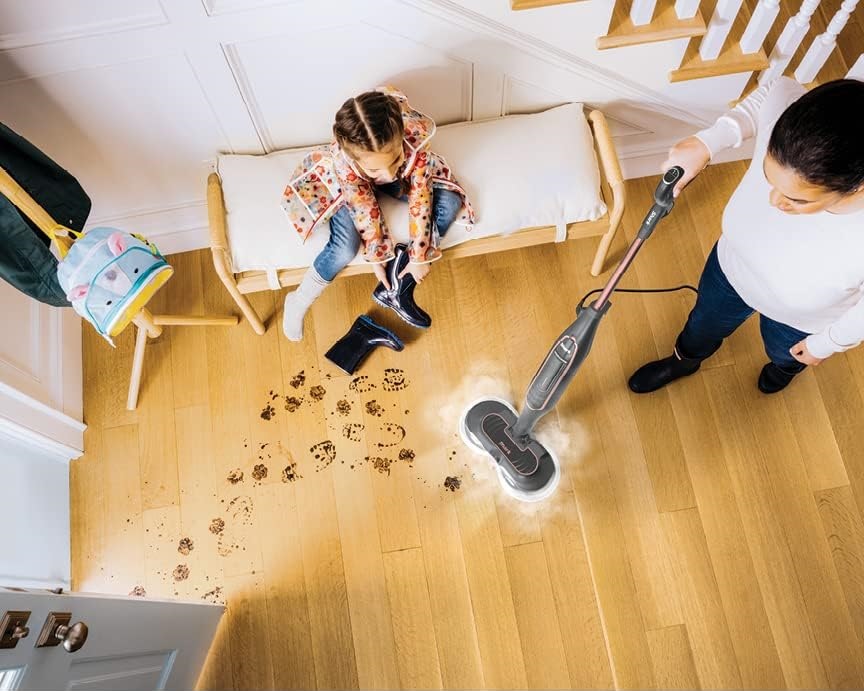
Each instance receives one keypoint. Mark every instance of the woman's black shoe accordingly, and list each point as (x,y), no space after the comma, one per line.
(655,375)
(773,378)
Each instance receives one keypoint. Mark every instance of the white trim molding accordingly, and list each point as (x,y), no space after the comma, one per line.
(12,41)
(30,421)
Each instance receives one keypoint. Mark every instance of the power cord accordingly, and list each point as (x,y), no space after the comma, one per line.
(597,291)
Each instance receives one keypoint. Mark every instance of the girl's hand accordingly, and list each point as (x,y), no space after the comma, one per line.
(418,271)
(380,271)
(692,155)
(800,352)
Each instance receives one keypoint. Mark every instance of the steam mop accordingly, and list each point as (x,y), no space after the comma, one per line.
(527,470)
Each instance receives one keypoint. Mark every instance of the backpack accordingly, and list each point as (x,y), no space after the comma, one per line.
(110,275)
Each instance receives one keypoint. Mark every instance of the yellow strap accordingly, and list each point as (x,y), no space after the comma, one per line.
(59,234)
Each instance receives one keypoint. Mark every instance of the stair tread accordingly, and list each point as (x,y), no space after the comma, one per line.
(666,26)
(730,61)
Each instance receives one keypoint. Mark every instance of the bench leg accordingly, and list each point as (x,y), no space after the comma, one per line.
(247,309)
(241,300)
(602,251)
(615,215)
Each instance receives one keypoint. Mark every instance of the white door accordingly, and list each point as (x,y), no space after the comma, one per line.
(131,644)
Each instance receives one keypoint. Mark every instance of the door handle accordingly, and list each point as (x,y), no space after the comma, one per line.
(57,630)
(13,628)
(73,637)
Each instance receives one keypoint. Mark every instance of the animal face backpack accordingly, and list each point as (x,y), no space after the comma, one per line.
(110,275)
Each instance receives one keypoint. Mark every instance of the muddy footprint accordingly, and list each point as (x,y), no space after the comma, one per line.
(290,474)
(317,393)
(186,545)
(239,510)
(268,412)
(292,403)
(259,472)
(361,384)
(324,452)
(343,407)
(298,379)
(407,455)
(394,380)
(235,476)
(382,465)
(395,432)
(353,431)
(181,573)
(374,408)
(452,483)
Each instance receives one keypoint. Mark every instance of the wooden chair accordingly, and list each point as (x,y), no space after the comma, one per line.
(149,325)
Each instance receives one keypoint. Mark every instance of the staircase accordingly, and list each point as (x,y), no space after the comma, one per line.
(813,41)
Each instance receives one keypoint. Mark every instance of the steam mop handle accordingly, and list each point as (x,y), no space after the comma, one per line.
(664,200)
(562,362)
(573,345)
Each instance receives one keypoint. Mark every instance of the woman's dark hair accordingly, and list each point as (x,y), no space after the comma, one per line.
(369,121)
(821,136)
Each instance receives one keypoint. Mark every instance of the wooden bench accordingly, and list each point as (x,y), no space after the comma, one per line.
(612,190)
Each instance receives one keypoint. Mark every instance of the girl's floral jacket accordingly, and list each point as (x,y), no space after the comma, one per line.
(327,179)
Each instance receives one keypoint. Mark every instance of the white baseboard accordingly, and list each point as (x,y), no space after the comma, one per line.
(27,420)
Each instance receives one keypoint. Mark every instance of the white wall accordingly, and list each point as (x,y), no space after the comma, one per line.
(34,539)
(137,97)
(40,432)
(40,374)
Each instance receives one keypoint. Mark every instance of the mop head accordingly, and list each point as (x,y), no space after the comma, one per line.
(527,470)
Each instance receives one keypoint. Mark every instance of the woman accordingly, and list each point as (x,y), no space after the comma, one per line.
(792,245)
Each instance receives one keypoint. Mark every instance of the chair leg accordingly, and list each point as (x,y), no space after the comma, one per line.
(137,368)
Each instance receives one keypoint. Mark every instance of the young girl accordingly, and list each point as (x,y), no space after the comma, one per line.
(380,145)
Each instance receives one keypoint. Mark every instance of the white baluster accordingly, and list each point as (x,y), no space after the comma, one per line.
(857,71)
(793,33)
(642,12)
(686,9)
(824,44)
(759,26)
(719,28)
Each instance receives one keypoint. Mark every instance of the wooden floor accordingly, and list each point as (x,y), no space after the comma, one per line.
(703,536)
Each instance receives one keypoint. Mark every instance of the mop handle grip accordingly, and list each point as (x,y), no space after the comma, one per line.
(664,200)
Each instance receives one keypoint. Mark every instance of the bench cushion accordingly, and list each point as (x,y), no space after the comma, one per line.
(520,171)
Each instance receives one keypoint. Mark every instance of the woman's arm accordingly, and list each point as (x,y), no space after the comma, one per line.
(845,333)
(742,122)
